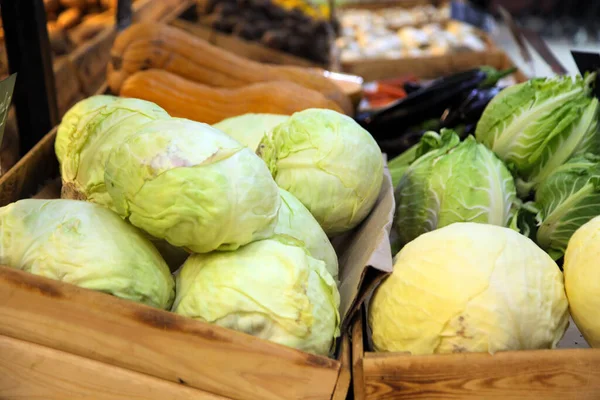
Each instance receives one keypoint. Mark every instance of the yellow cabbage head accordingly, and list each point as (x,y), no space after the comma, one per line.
(470,287)
(582,279)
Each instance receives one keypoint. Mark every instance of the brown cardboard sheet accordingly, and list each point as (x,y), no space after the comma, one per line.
(365,255)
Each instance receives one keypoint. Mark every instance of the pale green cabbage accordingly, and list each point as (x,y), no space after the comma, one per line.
(329,163)
(296,221)
(249,129)
(470,287)
(82,169)
(192,185)
(268,289)
(75,119)
(536,126)
(451,182)
(86,245)
(566,200)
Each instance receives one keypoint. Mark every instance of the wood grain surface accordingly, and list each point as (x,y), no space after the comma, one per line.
(540,374)
(343,382)
(516,375)
(358,378)
(158,343)
(31,172)
(429,67)
(30,371)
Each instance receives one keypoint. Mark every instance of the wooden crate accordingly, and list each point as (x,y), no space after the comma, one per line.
(63,341)
(513,375)
(431,67)
(426,66)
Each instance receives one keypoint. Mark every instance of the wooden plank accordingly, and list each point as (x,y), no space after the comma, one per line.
(26,177)
(241,47)
(158,343)
(358,352)
(540,374)
(424,67)
(345,376)
(29,371)
(377,5)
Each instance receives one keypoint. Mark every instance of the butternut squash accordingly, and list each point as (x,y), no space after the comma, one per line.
(152,45)
(183,98)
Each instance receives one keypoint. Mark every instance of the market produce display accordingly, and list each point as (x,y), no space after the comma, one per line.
(470,287)
(84,244)
(154,193)
(393,33)
(187,99)
(294,26)
(332,165)
(271,289)
(158,46)
(452,181)
(528,179)
(72,22)
(582,271)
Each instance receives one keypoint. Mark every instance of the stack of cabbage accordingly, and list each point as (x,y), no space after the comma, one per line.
(533,166)
(261,261)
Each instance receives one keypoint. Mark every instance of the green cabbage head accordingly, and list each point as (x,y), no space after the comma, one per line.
(86,245)
(296,221)
(329,163)
(536,126)
(269,288)
(82,169)
(192,185)
(75,120)
(452,181)
(249,129)
(566,200)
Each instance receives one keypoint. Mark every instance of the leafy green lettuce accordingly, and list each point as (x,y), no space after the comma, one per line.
(536,126)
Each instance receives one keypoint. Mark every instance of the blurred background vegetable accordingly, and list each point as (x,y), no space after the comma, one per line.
(86,245)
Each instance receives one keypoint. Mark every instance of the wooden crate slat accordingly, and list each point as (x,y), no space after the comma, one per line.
(424,67)
(343,382)
(540,374)
(24,178)
(29,371)
(158,343)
